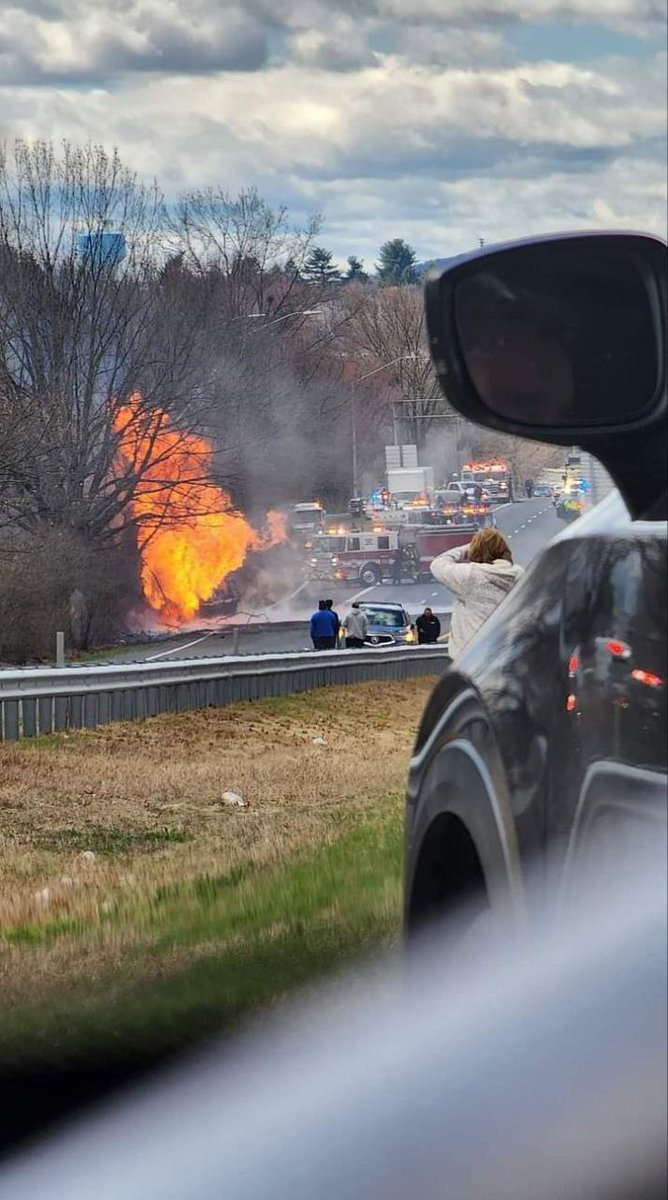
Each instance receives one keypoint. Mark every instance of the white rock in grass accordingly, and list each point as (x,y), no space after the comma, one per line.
(233,799)
(319,741)
(43,897)
(88,855)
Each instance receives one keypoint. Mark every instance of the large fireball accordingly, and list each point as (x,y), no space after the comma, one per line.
(190,537)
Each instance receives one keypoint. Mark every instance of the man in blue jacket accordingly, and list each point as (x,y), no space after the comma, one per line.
(323,628)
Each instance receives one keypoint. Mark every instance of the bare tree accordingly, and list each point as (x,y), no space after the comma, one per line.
(85,322)
(257,255)
(387,327)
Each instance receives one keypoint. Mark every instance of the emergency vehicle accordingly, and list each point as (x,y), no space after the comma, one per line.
(493,475)
(370,557)
(461,508)
(305,520)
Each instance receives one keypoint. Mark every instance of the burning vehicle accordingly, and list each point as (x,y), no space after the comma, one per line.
(192,541)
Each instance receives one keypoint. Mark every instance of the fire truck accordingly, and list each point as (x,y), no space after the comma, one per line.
(369,557)
(493,475)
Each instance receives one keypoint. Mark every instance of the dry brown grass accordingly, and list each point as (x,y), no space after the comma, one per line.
(115,785)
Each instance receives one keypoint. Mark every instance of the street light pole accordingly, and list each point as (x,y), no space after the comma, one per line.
(353,408)
(353,416)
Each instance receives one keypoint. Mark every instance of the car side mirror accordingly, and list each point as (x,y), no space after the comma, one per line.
(562,340)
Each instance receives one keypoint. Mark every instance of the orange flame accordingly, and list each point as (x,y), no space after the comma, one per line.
(190,536)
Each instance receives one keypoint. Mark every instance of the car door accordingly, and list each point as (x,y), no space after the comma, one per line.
(614,649)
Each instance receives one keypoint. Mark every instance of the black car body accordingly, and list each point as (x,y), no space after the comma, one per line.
(549,731)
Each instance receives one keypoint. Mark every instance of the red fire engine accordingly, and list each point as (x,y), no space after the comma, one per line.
(369,557)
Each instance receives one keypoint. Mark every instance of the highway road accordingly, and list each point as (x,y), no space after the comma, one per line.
(527,524)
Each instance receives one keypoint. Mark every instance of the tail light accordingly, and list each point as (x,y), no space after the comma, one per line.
(648,678)
(618,649)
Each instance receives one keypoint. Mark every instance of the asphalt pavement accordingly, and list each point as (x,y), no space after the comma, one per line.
(527,524)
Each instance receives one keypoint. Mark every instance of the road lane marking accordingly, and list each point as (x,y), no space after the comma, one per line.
(175,649)
(362,593)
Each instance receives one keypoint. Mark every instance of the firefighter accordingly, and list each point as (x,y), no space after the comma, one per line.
(411,563)
(398,566)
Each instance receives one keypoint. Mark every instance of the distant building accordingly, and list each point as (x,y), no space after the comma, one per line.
(101,247)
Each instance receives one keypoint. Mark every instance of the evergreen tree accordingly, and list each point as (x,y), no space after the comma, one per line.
(356,272)
(319,267)
(397,263)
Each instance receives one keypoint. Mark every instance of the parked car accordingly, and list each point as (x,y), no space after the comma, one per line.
(389,624)
(550,728)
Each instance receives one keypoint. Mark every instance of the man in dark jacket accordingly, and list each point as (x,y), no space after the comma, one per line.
(323,628)
(329,605)
(428,628)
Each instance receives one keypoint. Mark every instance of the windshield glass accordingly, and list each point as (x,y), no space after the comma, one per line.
(387,617)
(329,545)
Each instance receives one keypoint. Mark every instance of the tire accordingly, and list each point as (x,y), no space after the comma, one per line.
(370,574)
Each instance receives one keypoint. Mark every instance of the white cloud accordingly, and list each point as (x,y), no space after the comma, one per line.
(425,142)
(81,39)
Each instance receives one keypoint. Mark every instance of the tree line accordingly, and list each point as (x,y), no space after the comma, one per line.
(216,309)
(397,265)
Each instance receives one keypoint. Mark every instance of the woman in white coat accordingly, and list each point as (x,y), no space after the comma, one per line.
(479,576)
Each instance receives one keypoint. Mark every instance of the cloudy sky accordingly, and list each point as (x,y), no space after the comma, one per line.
(440,121)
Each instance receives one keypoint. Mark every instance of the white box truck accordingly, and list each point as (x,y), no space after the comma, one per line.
(407,484)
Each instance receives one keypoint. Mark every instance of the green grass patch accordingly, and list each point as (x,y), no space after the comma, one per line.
(107,839)
(247,937)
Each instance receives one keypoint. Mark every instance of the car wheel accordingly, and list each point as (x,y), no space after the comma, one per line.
(462,846)
(370,574)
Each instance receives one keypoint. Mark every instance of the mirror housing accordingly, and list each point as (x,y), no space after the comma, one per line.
(561,339)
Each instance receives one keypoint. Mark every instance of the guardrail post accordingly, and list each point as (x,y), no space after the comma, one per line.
(60,648)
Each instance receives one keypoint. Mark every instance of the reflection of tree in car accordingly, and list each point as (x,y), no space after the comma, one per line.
(542,350)
(513,352)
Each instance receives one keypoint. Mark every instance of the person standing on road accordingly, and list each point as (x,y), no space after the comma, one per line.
(323,628)
(480,576)
(398,566)
(329,605)
(356,627)
(428,628)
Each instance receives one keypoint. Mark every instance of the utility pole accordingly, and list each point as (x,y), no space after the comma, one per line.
(353,420)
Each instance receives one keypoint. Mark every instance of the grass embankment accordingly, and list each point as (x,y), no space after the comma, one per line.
(139,908)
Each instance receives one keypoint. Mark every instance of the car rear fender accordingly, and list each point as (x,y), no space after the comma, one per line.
(457,782)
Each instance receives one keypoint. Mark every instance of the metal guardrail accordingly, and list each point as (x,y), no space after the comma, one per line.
(42,701)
